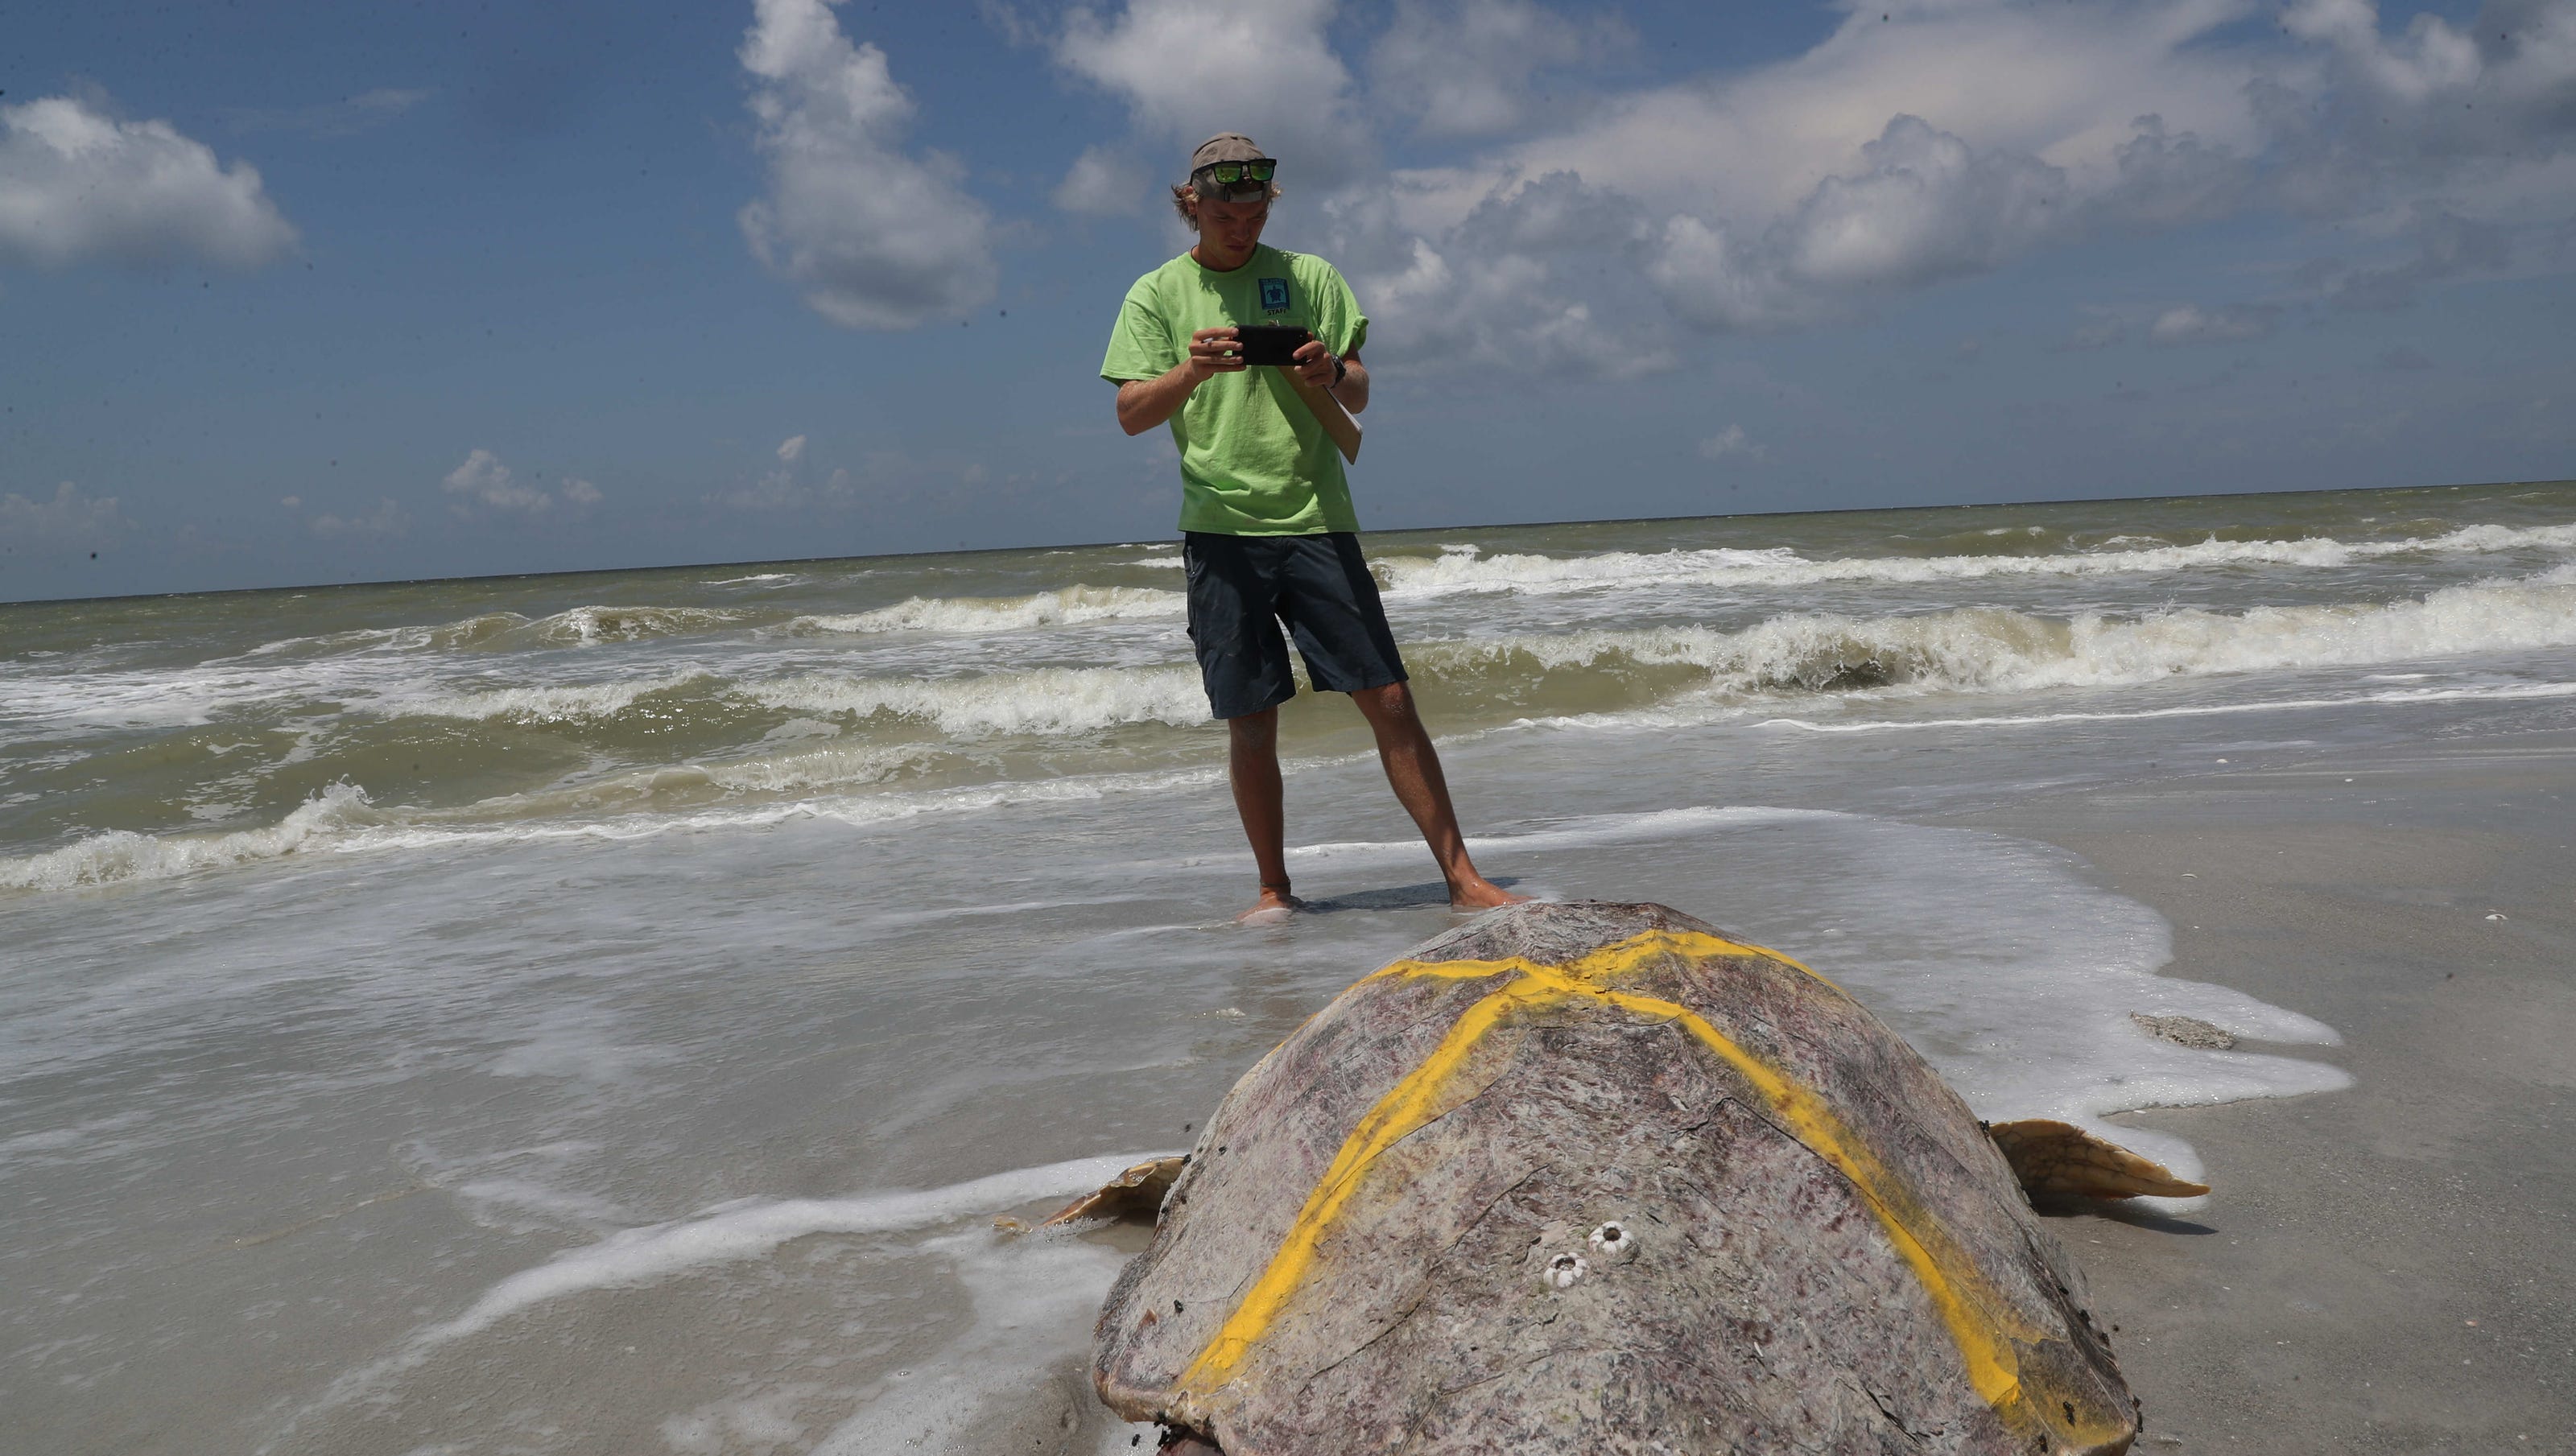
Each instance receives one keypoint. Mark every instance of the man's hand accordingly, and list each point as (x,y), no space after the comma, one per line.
(1315,363)
(1214,352)
(1145,403)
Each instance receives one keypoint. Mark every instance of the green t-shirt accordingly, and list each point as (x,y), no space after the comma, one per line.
(1254,462)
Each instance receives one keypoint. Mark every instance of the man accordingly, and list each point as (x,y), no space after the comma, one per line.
(1269,536)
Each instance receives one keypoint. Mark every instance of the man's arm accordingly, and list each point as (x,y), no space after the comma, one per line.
(1315,363)
(1353,390)
(1145,403)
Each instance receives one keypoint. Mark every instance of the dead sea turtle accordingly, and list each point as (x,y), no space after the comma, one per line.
(1599,1178)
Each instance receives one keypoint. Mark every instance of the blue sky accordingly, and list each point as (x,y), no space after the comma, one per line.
(311,293)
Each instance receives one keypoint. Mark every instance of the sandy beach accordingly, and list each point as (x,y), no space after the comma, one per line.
(668,671)
(2386,1267)
(603,1014)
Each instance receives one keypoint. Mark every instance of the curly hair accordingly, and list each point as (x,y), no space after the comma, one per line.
(1183,196)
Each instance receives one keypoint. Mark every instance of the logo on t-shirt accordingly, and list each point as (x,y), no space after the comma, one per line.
(1274,295)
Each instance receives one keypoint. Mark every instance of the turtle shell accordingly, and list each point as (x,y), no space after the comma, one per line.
(1601,1178)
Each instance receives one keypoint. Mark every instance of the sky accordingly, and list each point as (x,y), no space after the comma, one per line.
(308,293)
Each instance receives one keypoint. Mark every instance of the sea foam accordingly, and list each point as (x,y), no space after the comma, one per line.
(746,1228)
(566,703)
(1061,607)
(2395,697)
(342,821)
(1995,957)
(628,624)
(1994,650)
(1749,671)
(1042,700)
(1034,1300)
(123,855)
(1465,569)
(749,1228)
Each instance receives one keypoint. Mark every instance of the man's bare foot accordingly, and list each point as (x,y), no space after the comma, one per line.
(1480,893)
(1276,905)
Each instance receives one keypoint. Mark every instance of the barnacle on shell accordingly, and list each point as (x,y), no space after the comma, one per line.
(1563,1270)
(1614,1241)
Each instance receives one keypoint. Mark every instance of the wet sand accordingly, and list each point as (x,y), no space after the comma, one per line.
(2391,1267)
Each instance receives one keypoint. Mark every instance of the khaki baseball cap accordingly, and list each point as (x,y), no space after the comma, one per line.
(1226,146)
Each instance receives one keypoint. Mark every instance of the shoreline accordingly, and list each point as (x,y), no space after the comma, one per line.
(2385,1267)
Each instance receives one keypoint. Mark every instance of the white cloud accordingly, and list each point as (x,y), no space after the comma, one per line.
(484,482)
(1731,441)
(1104,183)
(2432,57)
(792,449)
(2063,84)
(2192,324)
(72,518)
(1498,287)
(1921,206)
(876,238)
(2477,117)
(77,183)
(1554,270)
(1463,68)
(1924,205)
(1189,70)
(383,523)
(1946,141)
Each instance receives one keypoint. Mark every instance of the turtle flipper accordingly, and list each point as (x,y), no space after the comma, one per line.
(1136,1193)
(2057,1157)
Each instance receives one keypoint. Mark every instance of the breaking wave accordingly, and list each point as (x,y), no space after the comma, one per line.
(539,705)
(1465,569)
(342,819)
(1990,649)
(1061,607)
(123,855)
(573,627)
(756,751)
(628,624)
(1056,700)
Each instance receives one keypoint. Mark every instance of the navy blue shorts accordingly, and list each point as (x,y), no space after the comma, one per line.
(1242,588)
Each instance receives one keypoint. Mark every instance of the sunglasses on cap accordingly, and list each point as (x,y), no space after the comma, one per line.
(1238,174)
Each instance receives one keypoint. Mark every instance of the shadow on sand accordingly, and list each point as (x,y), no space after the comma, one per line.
(2048,1205)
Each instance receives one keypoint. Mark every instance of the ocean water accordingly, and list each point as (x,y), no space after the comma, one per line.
(601,1013)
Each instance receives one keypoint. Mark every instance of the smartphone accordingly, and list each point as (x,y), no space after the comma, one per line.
(1271,343)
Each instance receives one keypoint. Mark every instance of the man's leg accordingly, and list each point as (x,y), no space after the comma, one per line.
(1243,660)
(1413,769)
(1252,765)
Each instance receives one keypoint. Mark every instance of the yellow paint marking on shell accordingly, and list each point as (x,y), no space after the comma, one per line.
(1992,1367)
(1405,1107)
(1972,1315)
